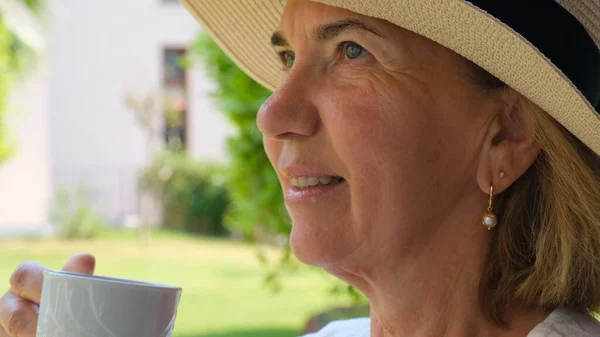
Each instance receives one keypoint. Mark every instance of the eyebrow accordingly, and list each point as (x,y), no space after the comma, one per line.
(327,31)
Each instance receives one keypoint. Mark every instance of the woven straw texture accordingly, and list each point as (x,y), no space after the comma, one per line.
(243,29)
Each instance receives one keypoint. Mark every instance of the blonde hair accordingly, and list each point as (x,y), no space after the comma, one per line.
(546,252)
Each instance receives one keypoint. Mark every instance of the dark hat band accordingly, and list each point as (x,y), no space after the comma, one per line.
(558,35)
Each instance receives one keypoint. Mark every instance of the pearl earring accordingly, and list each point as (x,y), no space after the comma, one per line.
(490,220)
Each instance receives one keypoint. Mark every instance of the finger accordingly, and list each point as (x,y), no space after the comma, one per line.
(26,281)
(18,317)
(3,333)
(81,263)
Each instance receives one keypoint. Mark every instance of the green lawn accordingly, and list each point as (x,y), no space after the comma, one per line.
(223,294)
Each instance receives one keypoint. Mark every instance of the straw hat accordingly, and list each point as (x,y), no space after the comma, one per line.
(547,50)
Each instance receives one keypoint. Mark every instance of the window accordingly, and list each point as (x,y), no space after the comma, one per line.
(176,100)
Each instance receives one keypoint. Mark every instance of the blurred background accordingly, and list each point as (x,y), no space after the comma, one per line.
(126,132)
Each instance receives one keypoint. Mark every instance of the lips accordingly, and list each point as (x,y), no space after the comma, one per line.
(306,185)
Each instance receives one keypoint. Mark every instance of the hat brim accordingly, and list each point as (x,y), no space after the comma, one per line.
(243,29)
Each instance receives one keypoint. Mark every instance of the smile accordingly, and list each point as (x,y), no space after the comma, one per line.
(308,182)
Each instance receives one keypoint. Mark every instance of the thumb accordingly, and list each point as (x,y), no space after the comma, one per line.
(81,264)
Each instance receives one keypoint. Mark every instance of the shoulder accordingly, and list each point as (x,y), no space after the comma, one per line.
(566,323)
(359,327)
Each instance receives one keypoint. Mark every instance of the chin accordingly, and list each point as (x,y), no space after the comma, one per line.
(318,245)
(306,250)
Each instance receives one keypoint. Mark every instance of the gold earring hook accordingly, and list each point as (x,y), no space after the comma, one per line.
(491,197)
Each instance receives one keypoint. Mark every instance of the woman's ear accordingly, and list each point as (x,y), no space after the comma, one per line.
(509,149)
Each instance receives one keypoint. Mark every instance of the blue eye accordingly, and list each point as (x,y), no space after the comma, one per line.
(288,58)
(353,50)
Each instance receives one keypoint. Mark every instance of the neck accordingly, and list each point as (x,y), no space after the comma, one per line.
(433,290)
(438,295)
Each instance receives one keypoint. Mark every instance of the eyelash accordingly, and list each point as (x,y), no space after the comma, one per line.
(340,49)
(343,44)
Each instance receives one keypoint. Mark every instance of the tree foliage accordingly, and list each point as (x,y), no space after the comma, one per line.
(6,71)
(257,207)
(14,57)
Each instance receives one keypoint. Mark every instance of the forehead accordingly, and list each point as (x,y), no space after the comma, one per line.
(306,13)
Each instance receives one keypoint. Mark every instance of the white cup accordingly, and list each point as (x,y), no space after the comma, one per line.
(75,305)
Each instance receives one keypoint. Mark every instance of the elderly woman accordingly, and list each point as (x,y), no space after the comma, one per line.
(439,155)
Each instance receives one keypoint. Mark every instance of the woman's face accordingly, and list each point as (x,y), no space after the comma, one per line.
(387,118)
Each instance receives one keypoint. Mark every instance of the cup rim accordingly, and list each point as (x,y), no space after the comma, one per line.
(108,279)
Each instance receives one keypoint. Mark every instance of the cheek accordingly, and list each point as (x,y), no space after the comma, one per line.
(392,148)
(374,128)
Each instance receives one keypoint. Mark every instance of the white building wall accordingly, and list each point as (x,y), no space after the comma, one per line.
(25,186)
(79,128)
(100,51)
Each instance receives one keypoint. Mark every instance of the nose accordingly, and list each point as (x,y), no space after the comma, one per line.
(290,113)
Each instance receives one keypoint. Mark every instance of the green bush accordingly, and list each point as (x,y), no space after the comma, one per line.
(74,217)
(192,193)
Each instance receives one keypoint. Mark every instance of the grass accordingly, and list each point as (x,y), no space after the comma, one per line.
(222,281)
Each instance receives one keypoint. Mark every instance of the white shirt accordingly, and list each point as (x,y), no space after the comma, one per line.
(560,323)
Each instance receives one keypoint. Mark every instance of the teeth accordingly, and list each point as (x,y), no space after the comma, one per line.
(305,182)
(326,180)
